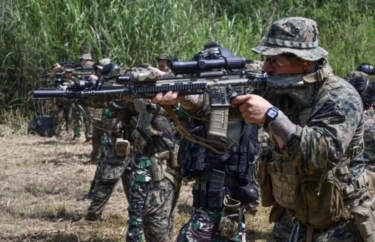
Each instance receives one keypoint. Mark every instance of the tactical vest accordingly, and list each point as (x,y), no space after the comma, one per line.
(212,172)
(315,200)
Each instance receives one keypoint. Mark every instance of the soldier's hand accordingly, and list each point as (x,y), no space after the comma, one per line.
(253,108)
(93,77)
(55,107)
(161,74)
(56,67)
(170,98)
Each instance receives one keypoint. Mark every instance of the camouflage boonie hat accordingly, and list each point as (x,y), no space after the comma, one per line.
(162,56)
(86,56)
(292,35)
(103,62)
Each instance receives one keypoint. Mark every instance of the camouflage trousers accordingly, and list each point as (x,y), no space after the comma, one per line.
(79,119)
(284,227)
(97,134)
(63,114)
(103,189)
(151,204)
(109,171)
(203,226)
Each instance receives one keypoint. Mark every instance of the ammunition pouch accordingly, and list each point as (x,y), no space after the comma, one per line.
(319,207)
(364,214)
(159,165)
(231,217)
(174,156)
(122,147)
(213,197)
(265,186)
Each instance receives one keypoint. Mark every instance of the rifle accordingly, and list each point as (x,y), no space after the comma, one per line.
(222,87)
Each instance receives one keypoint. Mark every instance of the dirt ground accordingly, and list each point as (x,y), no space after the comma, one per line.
(40,179)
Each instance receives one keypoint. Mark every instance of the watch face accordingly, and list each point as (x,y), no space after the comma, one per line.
(272,113)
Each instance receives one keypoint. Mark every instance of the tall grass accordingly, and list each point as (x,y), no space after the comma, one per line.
(37,33)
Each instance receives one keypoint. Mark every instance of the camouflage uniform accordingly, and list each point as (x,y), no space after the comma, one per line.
(219,178)
(79,117)
(329,132)
(369,139)
(155,184)
(110,169)
(63,113)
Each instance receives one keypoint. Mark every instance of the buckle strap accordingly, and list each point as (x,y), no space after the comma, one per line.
(360,183)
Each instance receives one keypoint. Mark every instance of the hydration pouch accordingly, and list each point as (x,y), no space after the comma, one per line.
(158,165)
(122,147)
(230,218)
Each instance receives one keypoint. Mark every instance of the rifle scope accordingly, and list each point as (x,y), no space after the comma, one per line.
(208,65)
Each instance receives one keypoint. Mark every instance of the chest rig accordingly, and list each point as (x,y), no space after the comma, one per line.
(219,175)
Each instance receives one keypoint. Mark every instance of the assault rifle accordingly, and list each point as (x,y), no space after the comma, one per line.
(221,85)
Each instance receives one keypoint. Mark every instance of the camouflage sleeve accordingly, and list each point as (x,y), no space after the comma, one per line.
(335,117)
(369,139)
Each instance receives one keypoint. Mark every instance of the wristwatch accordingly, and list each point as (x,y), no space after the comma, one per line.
(271,114)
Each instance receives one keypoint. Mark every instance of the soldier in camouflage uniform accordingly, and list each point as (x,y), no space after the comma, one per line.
(163,62)
(63,109)
(366,90)
(97,132)
(317,131)
(313,171)
(155,182)
(223,183)
(112,166)
(80,119)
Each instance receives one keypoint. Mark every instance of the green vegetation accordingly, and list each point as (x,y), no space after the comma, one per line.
(34,33)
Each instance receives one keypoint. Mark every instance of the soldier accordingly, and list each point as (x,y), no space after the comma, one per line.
(97,132)
(163,62)
(315,139)
(366,90)
(313,171)
(224,183)
(63,110)
(366,68)
(114,160)
(155,182)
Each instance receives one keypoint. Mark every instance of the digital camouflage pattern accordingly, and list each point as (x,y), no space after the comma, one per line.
(111,169)
(293,35)
(97,134)
(79,120)
(63,114)
(139,187)
(283,229)
(151,204)
(203,226)
(369,139)
(325,134)
(353,74)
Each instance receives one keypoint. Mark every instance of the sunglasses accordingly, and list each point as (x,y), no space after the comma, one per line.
(279,60)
